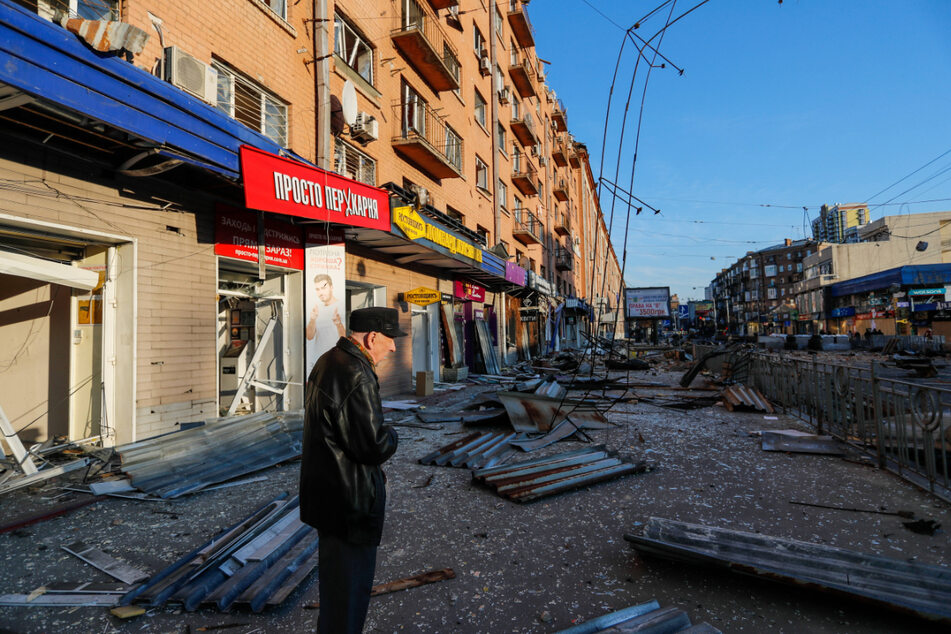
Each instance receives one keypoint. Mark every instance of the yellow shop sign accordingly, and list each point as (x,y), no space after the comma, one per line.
(422,296)
(415,228)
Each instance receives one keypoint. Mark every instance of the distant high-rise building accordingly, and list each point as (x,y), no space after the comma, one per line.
(840,222)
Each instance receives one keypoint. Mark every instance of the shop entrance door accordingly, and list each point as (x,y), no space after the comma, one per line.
(254,364)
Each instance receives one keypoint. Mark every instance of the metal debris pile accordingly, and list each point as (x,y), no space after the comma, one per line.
(257,562)
(533,479)
(41,462)
(188,461)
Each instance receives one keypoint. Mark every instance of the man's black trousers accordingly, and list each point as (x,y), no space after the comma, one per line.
(345,575)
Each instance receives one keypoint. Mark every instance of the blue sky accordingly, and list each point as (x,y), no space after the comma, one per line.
(791,105)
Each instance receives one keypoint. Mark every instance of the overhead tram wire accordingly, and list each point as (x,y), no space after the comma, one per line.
(934,160)
(641,55)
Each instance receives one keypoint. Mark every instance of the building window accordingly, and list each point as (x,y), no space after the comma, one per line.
(478,42)
(87,9)
(498,21)
(503,194)
(483,234)
(503,138)
(482,175)
(479,109)
(247,102)
(517,208)
(353,163)
(454,148)
(455,214)
(278,6)
(353,49)
(414,112)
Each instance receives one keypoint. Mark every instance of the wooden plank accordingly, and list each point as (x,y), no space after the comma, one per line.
(106,563)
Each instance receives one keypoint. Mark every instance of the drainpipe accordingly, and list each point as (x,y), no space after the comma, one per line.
(321,85)
(500,314)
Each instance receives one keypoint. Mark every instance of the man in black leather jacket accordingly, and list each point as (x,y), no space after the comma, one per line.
(342,492)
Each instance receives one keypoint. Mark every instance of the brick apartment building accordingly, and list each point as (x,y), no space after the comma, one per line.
(139,282)
(756,294)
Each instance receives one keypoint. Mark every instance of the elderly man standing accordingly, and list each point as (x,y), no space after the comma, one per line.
(342,491)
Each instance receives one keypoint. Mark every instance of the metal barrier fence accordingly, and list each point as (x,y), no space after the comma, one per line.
(909,342)
(904,425)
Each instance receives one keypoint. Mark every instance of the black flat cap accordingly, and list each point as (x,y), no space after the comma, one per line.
(377,319)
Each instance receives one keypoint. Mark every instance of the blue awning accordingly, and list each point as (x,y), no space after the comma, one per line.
(48,62)
(917,275)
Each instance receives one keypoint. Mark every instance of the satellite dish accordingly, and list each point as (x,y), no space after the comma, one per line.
(348,100)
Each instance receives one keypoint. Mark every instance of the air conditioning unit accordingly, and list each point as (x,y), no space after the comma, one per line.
(422,193)
(484,66)
(504,96)
(191,74)
(543,160)
(365,128)
(534,150)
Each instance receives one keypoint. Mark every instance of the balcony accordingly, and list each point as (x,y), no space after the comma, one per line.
(524,129)
(523,73)
(563,225)
(425,140)
(559,116)
(564,259)
(524,176)
(528,229)
(561,190)
(576,154)
(424,44)
(443,4)
(559,152)
(520,24)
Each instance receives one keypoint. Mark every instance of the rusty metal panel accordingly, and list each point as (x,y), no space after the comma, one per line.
(900,584)
(537,413)
(533,479)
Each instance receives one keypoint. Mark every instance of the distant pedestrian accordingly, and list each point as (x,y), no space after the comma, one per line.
(342,487)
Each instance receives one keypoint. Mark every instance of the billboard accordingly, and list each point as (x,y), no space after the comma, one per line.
(647,303)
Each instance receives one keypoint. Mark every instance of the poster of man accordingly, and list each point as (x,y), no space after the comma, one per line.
(324,298)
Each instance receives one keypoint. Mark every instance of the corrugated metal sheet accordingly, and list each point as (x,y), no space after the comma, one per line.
(534,413)
(257,562)
(188,461)
(534,479)
(474,451)
(742,396)
(919,588)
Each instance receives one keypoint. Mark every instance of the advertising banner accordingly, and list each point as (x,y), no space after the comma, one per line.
(647,303)
(469,291)
(236,236)
(276,184)
(515,274)
(325,295)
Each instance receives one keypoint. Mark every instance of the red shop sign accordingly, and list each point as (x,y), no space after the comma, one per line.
(236,236)
(469,291)
(280,185)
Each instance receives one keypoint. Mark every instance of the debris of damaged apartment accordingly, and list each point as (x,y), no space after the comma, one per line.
(601,444)
(199,201)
